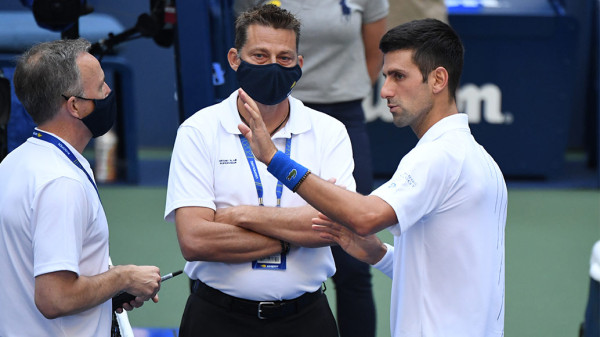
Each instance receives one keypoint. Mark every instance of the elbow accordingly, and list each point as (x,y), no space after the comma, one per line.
(51,314)
(188,247)
(188,253)
(364,225)
(48,309)
(196,251)
(363,230)
(187,256)
(193,247)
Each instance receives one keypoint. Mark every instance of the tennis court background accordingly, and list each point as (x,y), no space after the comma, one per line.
(549,236)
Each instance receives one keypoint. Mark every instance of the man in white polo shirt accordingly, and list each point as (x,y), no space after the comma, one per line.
(445,204)
(258,268)
(54,260)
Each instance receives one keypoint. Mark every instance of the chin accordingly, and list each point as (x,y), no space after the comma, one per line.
(399,123)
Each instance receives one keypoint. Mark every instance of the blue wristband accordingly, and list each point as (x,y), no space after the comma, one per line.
(286,170)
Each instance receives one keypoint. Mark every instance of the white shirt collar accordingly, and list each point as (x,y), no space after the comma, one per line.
(296,124)
(452,122)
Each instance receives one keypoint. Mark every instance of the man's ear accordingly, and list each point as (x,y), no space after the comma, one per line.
(72,108)
(438,79)
(233,59)
(300,61)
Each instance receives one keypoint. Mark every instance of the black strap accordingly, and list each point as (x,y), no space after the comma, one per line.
(262,310)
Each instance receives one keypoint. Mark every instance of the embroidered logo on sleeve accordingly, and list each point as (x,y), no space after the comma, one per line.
(408,180)
(403,179)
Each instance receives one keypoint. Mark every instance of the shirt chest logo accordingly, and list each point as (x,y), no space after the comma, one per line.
(228,161)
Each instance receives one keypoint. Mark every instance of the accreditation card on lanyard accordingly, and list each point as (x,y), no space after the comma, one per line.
(277,261)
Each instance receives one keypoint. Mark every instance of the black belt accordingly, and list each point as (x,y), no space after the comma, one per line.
(264,309)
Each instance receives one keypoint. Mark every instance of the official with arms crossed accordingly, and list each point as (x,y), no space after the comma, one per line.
(257,264)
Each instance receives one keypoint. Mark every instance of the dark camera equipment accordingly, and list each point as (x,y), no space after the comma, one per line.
(159,25)
(63,16)
(60,15)
(5,102)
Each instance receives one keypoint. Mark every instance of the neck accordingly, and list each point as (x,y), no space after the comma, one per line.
(76,137)
(274,116)
(435,115)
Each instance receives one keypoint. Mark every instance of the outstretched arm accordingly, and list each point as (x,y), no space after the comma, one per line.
(362,214)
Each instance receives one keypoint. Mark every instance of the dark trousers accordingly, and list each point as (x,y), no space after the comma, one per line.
(202,317)
(351,114)
(591,325)
(354,295)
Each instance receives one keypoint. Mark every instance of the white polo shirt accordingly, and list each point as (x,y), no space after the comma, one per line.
(51,219)
(450,199)
(209,169)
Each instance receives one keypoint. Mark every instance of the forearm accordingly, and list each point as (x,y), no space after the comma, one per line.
(291,224)
(368,248)
(364,215)
(231,244)
(374,63)
(64,293)
(372,33)
(202,239)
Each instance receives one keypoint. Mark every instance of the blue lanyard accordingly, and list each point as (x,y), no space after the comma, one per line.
(254,169)
(53,140)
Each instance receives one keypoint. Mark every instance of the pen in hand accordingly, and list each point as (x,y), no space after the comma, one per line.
(170,275)
(125,297)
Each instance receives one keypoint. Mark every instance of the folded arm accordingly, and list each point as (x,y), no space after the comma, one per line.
(202,238)
(291,224)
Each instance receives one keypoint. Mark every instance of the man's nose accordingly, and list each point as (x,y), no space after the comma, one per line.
(386,89)
(106,89)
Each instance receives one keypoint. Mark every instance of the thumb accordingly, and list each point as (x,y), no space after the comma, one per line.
(245,130)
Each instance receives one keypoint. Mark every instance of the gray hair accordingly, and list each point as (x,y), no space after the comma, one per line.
(44,73)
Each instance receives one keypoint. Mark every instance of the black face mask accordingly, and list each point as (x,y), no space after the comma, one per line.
(268,84)
(102,118)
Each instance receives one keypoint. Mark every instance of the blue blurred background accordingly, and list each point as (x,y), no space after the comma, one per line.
(530,88)
(529,83)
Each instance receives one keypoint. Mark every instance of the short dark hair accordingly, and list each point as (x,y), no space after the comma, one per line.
(44,73)
(269,16)
(434,44)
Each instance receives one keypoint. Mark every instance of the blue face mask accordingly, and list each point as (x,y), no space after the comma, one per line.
(102,118)
(268,84)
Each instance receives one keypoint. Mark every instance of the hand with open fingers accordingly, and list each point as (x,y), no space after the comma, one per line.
(368,249)
(256,132)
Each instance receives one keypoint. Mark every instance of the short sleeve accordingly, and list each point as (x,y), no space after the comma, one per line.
(60,213)
(191,173)
(375,10)
(419,185)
